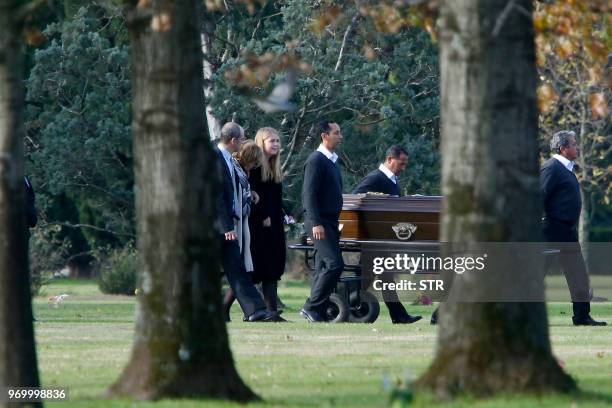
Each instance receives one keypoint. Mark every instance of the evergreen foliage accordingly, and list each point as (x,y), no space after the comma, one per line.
(78,123)
(384,92)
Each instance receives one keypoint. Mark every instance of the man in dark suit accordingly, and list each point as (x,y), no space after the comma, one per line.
(322,199)
(232,136)
(385,180)
(562,206)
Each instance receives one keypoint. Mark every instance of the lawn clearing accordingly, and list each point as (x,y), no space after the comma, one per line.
(84,343)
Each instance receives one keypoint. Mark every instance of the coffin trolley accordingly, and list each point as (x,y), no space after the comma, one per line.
(369,224)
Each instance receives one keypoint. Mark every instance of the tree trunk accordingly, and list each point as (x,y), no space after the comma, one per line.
(214,126)
(180,344)
(491,194)
(18,366)
(584,222)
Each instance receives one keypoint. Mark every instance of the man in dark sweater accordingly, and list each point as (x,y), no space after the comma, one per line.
(322,200)
(562,206)
(385,180)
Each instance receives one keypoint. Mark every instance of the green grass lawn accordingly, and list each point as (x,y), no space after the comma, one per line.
(84,343)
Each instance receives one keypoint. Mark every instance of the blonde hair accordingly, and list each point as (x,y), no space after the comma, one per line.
(250,155)
(271,168)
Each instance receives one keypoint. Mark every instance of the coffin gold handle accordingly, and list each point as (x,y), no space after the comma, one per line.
(404,230)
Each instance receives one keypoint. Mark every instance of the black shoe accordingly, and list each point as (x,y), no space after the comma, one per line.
(278,319)
(312,316)
(407,319)
(434,318)
(587,321)
(262,316)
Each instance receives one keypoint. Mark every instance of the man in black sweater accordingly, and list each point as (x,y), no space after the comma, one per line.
(562,206)
(322,199)
(385,180)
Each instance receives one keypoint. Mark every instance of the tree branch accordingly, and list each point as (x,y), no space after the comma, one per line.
(347,36)
(502,18)
(294,138)
(93,227)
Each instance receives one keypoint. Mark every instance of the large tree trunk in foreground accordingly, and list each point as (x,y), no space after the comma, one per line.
(180,344)
(491,191)
(17,349)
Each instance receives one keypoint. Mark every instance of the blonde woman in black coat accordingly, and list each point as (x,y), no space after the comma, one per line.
(266,221)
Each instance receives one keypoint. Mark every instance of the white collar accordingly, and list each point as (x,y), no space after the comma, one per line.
(388,173)
(331,156)
(223,149)
(565,162)
(227,156)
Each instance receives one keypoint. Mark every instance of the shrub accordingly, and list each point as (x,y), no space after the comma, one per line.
(48,253)
(119,272)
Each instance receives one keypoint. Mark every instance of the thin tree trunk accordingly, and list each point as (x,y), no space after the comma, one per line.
(491,191)
(584,222)
(18,366)
(214,125)
(180,344)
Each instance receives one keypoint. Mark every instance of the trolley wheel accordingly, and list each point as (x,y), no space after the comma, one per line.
(337,310)
(367,311)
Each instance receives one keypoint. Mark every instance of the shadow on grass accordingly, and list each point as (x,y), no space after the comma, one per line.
(578,398)
(593,396)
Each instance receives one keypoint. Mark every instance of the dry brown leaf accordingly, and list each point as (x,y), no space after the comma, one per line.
(599,105)
(161,22)
(368,51)
(546,97)
(564,48)
(595,75)
(143,3)
(33,36)
(213,5)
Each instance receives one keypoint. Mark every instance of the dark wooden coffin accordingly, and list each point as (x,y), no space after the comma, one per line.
(382,217)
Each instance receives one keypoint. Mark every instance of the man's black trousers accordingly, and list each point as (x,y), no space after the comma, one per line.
(397,311)
(239,280)
(565,238)
(328,267)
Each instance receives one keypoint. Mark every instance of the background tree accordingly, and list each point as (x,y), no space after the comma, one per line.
(489,158)
(18,366)
(382,87)
(78,121)
(180,345)
(573,44)
(79,136)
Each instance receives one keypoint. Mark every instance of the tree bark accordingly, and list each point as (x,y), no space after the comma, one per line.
(491,194)
(214,125)
(18,366)
(180,344)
